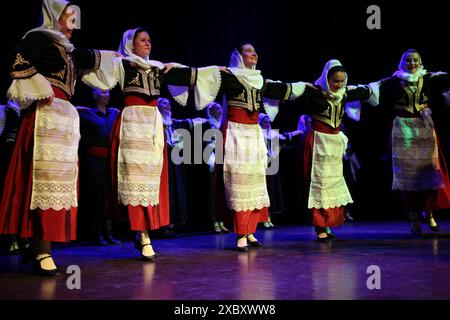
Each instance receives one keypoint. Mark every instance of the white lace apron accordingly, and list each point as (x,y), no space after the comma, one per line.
(140,156)
(244,167)
(328,188)
(55,156)
(415,156)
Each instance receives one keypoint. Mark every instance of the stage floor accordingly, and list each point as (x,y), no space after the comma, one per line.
(290,266)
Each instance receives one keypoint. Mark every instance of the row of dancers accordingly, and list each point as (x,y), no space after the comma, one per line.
(40,197)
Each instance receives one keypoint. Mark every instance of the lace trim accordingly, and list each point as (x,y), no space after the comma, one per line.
(55,196)
(139,194)
(48,187)
(411,175)
(414,185)
(139,131)
(60,123)
(61,115)
(52,123)
(332,198)
(25,90)
(428,181)
(52,152)
(245,169)
(246,191)
(414,153)
(139,157)
(332,169)
(243,201)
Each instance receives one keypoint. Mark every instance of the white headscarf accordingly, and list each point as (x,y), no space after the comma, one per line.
(323,81)
(261,117)
(213,121)
(268,133)
(404,74)
(166,114)
(126,49)
(248,77)
(51,12)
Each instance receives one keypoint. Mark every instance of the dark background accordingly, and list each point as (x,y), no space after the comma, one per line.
(294,39)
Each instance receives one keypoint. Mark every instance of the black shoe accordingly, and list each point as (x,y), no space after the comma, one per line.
(14,248)
(267,226)
(100,241)
(242,249)
(38,270)
(435,228)
(413,223)
(326,239)
(254,244)
(138,245)
(169,234)
(111,241)
(331,235)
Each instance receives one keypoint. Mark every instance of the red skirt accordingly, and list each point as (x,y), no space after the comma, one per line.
(140,218)
(323,217)
(15,214)
(244,222)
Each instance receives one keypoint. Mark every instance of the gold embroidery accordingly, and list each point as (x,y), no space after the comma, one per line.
(68,85)
(61,73)
(326,112)
(241,96)
(333,114)
(411,101)
(257,96)
(150,85)
(19,61)
(288,92)
(24,73)
(193,79)
(135,80)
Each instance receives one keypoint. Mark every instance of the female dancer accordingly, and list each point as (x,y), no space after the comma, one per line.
(325,146)
(241,180)
(419,169)
(138,152)
(40,193)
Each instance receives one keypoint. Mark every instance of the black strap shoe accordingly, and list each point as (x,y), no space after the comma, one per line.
(111,241)
(38,270)
(138,245)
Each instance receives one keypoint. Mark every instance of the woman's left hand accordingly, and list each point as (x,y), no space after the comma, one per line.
(224,69)
(167,67)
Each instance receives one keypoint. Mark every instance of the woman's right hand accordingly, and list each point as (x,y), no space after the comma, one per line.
(224,69)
